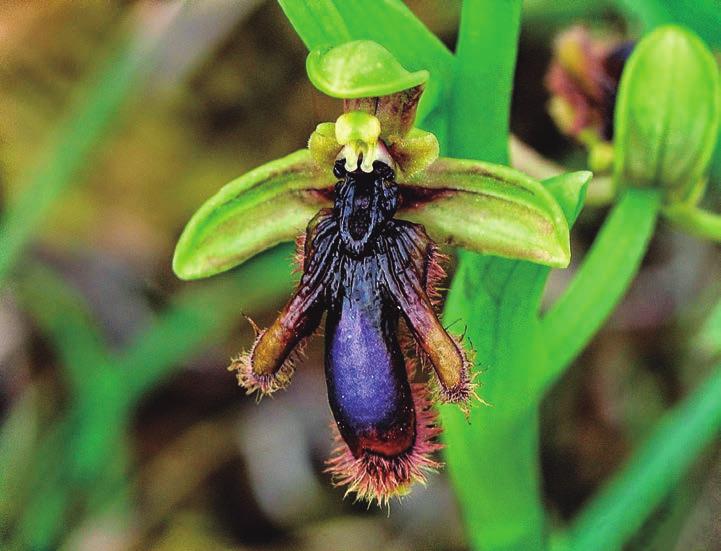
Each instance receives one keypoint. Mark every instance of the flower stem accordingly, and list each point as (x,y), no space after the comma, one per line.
(600,282)
(493,462)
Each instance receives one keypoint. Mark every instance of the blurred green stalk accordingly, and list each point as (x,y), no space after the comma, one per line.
(82,454)
(58,168)
(622,506)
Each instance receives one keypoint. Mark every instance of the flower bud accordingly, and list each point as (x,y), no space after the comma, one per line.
(667,115)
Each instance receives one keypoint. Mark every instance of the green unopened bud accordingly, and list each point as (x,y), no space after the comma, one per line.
(667,115)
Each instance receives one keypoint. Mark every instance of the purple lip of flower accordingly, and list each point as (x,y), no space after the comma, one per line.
(366,269)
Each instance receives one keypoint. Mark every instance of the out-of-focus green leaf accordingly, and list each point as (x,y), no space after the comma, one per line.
(74,142)
(61,312)
(268,205)
(702,16)
(620,509)
(18,434)
(707,340)
(490,209)
(78,456)
(359,69)
(667,114)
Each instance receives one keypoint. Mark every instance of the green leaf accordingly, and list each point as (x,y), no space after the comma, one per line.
(505,294)
(652,473)
(62,312)
(266,206)
(359,69)
(696,221)
(667,114)
(318,22)
(489,209)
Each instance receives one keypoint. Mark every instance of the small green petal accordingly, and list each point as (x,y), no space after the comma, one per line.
(414,152)
(262,208)
(359,69)
(667,114)
(323,146)
(489,209)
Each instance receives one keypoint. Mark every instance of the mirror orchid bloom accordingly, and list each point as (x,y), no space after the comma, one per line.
(369,202)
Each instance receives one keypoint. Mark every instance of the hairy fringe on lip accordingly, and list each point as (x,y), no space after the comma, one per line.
(267,383)
(435,275)
(299,253)
(378,479)
(464,394)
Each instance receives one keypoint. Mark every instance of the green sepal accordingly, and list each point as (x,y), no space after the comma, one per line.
(488,209)
(262,208)
(359,69)
(667,114)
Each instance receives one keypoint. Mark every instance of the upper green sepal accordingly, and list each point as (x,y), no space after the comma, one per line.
(667,114)
(359,69)
(489,209)
(262,208)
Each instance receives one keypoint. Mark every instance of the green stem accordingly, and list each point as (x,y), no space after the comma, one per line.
(636,491)
(485,63)
(696,221)
(499,450)
(600,282)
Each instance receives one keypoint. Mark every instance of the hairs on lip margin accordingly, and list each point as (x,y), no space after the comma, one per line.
(376,478)
(264,384)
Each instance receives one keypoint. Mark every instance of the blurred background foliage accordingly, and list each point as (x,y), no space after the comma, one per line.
(121,428)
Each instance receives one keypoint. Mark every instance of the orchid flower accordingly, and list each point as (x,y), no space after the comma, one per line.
(369,202)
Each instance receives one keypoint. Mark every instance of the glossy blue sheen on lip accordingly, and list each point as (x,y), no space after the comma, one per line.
(368,387)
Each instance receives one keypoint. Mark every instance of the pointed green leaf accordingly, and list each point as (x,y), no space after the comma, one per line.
(489,209)
(569,190)
(359,69)
(262,208)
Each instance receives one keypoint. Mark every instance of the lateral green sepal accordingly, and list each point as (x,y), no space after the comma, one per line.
(254,212)
(489,209)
